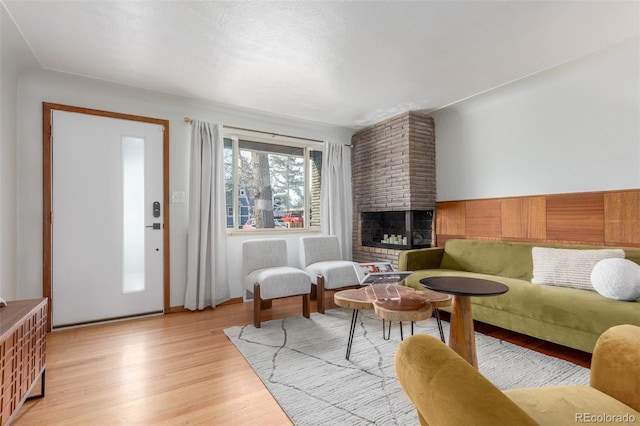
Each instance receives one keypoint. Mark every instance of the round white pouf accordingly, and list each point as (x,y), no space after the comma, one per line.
(617,279)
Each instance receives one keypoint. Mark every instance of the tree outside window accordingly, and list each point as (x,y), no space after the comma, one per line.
(272,185)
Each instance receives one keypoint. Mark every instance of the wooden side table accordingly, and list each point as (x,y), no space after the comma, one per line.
(461,334)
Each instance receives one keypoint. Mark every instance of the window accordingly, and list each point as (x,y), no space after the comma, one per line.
(272,184)
(133,209)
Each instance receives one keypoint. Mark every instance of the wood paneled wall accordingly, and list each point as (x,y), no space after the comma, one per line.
(607,218)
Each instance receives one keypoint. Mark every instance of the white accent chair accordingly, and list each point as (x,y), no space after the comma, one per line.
(321,258)
(267,275)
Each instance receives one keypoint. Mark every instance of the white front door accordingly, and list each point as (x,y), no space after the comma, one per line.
(107,237)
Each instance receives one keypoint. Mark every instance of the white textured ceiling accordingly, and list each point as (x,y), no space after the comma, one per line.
(344,63)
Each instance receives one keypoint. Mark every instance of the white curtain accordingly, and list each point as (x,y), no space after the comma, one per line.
(335,195)
(207,283)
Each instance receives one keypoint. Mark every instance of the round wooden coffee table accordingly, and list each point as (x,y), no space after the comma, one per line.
(416,305)
(461,335)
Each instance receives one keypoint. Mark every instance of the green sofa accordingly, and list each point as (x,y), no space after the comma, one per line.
(567,316)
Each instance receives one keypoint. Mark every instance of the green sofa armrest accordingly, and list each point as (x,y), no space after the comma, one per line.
(417,259)
(615,366)
(447,390)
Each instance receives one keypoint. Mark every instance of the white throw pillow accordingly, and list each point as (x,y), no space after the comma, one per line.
(568,267)
(617,279)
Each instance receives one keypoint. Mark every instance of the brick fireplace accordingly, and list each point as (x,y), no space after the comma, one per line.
(394,180)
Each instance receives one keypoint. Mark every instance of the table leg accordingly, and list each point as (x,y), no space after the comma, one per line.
(461,336)
(386,335)
(437,312)
(354,320)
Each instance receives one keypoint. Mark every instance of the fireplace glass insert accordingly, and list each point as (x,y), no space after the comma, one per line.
(397,229)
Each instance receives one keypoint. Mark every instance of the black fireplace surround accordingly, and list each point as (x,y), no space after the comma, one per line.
(398,230)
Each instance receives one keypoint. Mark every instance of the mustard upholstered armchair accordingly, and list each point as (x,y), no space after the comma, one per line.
(447,390)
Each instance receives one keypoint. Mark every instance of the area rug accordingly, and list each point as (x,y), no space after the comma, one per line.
(302,363)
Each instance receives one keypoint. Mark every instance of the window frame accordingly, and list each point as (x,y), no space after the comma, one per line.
(307,145)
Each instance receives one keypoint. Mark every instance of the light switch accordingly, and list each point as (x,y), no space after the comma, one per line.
(177,197)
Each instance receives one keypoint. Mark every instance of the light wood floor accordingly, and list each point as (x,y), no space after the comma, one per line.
(175,369)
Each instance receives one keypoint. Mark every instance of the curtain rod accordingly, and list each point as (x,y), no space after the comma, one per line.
(188,120)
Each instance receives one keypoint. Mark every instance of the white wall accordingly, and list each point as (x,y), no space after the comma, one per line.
(574,128)
(46,86)
(15,57)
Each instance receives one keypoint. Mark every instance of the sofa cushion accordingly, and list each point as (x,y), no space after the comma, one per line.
(511,260)
(279,282)
(507,259)
(568,267)
(617,279)
(337,273)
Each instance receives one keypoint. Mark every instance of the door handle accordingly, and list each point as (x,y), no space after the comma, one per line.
(156,225)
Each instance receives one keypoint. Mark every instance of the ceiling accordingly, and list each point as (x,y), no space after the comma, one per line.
(347,63)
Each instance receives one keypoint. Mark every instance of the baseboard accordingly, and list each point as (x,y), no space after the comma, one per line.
(232,301)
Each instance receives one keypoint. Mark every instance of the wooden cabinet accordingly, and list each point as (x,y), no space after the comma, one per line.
(23,330)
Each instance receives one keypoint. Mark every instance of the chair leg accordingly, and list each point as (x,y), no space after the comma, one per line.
(256,305)
(306,303)
(320,291)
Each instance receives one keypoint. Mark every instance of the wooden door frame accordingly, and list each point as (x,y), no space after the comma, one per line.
(47,194)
